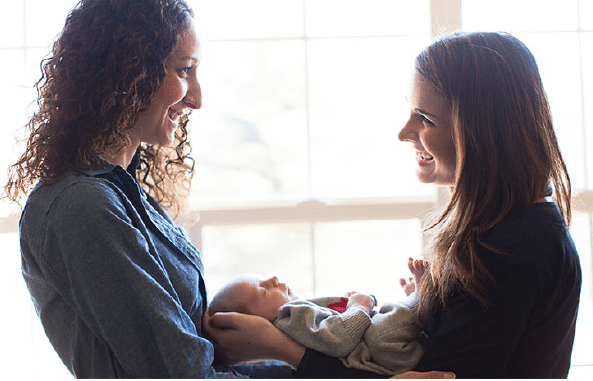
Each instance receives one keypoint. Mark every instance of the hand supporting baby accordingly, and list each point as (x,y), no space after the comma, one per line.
(239,337)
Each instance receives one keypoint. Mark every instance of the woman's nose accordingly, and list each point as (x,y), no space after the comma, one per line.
(406,134)
(193,98)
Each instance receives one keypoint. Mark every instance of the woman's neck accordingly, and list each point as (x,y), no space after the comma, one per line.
(122,157)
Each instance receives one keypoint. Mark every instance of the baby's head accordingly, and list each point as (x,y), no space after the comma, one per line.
(253,296)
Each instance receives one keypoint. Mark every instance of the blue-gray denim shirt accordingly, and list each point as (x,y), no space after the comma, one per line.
(118,287)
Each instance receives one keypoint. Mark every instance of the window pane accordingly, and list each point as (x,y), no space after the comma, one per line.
(45,19)
(320,259)
(264,250)
(240,19)
(587,67)
(34,57)
(365,256)
(586,14)
(357,98)
(14,98)
(250,136)
(12,31)
(332,18)
(275,126)
(17,104)
(520,15)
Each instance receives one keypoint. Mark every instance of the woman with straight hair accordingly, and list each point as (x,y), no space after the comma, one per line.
(502,295)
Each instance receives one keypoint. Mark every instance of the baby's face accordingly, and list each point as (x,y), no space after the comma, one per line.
(266,296)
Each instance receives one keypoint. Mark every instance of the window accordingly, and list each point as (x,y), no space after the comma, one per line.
(288,127)
(299,170)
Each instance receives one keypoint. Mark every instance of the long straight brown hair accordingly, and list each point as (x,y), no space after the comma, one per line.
(507,154)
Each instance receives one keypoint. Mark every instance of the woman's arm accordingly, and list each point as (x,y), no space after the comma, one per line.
(239,337)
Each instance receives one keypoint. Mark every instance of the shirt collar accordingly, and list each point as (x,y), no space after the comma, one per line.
(103,166)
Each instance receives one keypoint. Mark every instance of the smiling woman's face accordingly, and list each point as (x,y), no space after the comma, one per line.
(179,92)
(430,131)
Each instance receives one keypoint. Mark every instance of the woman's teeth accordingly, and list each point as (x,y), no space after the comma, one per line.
(174,115)
(425,156)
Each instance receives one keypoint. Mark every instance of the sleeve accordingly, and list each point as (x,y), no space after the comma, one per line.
(315,364)
(321,329)
(392,338)
(107,270)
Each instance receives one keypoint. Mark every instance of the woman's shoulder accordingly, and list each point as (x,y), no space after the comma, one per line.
(72,192)
(535,225)
(535,238)
(75,204)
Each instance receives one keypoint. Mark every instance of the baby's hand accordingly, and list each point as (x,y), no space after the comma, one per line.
(417,267)
(365,302)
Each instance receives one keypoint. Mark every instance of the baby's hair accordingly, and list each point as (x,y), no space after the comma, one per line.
(227,300)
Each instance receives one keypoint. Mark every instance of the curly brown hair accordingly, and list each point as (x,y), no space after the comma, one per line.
(103,70)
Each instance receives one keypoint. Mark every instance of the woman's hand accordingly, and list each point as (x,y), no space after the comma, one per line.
(238,337)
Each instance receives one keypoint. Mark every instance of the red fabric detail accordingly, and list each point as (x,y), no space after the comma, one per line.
(339,306)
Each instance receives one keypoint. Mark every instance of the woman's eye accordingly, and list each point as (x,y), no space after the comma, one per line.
(425,120)
(184,71)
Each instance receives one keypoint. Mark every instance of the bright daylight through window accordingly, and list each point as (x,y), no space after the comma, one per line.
(299,170)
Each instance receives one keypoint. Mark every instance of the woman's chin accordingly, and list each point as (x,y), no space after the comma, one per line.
(435,178)
(425,178)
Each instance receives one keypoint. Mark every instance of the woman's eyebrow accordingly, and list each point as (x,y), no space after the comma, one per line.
(423,112)
(190,58)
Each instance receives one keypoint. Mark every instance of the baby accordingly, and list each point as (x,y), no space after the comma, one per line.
(381,341)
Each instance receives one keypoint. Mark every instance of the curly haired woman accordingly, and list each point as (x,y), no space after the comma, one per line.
(117,285)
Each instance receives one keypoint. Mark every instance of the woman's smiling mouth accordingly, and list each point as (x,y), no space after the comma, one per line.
(174,116)
(423,158)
